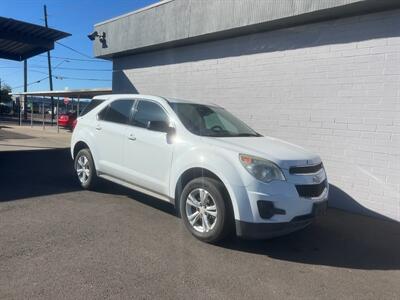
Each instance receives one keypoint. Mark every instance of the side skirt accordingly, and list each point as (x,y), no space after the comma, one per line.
(137,188)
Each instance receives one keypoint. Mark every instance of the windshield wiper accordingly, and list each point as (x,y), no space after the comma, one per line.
(247,134)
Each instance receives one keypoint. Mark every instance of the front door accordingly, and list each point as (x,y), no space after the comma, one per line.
(148,153)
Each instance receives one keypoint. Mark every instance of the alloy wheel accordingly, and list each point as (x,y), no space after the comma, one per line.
(201,210)
(83,169)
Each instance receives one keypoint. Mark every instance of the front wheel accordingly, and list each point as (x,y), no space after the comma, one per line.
(205,209)
(85,169)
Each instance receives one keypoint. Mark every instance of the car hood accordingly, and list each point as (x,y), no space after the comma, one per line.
(280,152)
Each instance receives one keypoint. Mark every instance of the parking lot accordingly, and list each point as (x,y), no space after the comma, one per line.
(58,241)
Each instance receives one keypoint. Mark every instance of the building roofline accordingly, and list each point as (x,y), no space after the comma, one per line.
(175,23)
(134,12)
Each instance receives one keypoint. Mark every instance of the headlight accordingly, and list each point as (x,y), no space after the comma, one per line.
(262,169)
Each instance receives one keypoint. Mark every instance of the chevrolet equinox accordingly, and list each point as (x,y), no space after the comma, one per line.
(221,175)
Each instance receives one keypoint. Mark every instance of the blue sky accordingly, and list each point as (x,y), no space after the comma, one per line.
(73,16)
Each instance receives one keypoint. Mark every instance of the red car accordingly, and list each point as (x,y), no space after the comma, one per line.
(67,120)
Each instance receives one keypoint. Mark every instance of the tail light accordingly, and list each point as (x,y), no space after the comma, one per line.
(74,123)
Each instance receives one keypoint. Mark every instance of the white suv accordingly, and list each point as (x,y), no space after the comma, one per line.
(221,175)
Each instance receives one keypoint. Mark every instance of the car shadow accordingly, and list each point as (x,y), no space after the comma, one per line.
(111,188)
(32,173)
(340,239)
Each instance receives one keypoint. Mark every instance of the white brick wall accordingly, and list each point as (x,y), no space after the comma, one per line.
(333,87)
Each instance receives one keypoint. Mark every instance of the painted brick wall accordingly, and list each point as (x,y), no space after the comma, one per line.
(333,87)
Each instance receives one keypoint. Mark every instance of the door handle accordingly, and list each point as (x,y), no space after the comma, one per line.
(98,127)
(132,137)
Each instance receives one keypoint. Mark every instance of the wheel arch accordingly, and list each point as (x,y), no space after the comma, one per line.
(196,172)
(78,147)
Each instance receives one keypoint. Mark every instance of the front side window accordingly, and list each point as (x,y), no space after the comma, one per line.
(117,112)
(148,111)
(207,120)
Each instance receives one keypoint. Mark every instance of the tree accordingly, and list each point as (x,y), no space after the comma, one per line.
(4,96)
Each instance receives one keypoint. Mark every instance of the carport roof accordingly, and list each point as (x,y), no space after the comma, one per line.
(20,40)
(78,93)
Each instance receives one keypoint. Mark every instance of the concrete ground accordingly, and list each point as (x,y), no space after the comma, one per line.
(60,242)
(14,137)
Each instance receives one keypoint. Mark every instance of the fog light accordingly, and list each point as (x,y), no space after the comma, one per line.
(267,209)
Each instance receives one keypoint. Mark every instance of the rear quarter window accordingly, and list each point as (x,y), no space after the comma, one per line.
(91,105)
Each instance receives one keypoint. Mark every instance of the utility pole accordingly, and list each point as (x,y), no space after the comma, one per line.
(25,90)
(49,65)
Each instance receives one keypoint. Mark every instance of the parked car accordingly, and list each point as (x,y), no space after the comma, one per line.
(221,175)
(67,120)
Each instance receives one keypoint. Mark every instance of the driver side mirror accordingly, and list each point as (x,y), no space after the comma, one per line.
(160,126)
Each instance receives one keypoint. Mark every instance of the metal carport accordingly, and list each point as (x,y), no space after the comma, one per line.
(21,40)
(75,93)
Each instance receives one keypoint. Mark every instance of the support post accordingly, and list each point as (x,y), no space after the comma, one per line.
(19,111)
(58,127)
(77,109)
(25,89)
(31,113)
(50,71)
(43,112)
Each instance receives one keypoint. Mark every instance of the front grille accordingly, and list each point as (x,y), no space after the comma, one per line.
(311,190)
(305,169)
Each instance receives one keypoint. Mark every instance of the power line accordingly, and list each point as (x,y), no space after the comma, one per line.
(30,83)
(77,78)
(79,59)
(40,72)
(61,78)
(10,67)
(60,68)
(58,76)
(75,69)
(76,51)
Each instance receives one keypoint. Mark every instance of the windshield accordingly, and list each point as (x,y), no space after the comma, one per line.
(213,121)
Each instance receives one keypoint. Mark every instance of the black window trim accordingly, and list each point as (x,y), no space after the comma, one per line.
(83,113)
(134,111)
(131,113)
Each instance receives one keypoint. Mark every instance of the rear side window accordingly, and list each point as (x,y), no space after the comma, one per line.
(91,105)
(148,111)
(117,112)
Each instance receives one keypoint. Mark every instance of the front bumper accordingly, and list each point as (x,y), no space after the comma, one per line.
(288,199)
(269,230)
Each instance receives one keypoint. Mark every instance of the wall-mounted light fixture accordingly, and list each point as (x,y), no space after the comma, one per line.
(102,38)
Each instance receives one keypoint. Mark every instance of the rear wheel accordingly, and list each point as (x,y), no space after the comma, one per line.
(205,209)
(85,169)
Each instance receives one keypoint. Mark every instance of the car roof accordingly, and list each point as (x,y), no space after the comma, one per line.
(150,97)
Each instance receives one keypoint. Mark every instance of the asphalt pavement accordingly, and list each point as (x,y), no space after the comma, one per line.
(60,242)
(14,137)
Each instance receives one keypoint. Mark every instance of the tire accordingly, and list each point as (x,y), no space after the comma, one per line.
(88,175)
(214,219)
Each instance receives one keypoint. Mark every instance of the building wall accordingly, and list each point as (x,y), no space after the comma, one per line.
(333,87)
(176,22)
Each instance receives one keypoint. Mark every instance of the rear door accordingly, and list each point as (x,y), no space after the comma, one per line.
(110,132)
